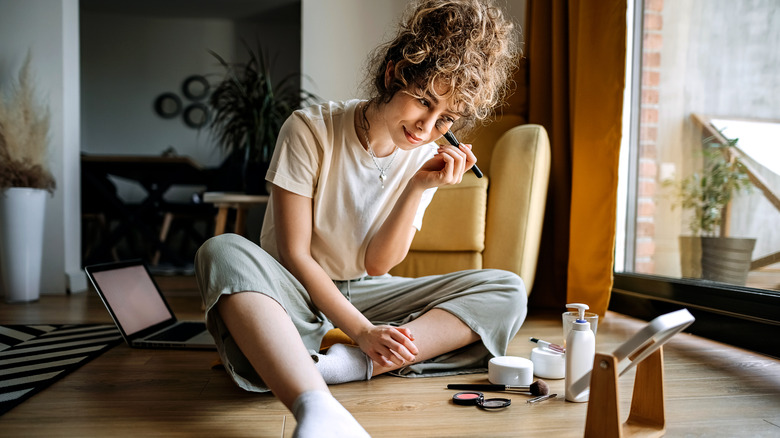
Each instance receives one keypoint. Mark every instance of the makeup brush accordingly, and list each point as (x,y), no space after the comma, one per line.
(552,347)
(454,141)
(537,388)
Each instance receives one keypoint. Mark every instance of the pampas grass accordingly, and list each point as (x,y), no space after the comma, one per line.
(24,136)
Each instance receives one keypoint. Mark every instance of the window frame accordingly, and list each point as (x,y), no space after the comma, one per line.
(741,316)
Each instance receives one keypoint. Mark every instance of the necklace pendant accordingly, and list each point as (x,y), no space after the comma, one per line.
(382,174)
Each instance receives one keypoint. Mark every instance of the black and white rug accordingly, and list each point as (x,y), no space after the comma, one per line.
(32,357)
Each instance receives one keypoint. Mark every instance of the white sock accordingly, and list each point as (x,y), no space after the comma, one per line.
(320,415)
(343,364)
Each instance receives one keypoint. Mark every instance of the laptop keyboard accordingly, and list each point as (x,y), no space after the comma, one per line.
(179,333)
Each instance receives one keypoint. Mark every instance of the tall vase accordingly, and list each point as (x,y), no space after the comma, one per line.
(21,242)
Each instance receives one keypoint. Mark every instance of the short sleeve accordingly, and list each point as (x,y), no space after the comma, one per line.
(297,158)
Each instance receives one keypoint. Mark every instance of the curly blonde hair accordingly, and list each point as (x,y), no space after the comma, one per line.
(466,46)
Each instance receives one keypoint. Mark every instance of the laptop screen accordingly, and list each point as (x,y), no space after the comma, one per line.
(132,296)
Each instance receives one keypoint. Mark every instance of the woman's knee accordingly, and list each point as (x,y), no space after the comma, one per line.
(507,279)
(217,247)
(221,258)
(512,287)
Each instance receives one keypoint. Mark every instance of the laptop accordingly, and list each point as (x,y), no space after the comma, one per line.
(140,310)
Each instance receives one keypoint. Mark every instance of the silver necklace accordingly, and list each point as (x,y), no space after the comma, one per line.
(382,171)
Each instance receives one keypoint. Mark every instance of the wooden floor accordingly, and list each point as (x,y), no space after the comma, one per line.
(712,389)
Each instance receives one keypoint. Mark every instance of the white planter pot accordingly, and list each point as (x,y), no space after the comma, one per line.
(21,242)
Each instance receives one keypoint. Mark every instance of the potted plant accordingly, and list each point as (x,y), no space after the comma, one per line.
(248,110)
(24,181)
(707,193)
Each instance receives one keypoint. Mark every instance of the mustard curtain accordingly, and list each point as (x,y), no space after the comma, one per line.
(576,72)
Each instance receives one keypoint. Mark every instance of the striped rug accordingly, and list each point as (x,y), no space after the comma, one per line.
(32,357)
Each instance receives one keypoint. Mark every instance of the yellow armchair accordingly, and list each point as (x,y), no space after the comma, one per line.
(492,222)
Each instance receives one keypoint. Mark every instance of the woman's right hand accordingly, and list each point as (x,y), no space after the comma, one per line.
(387,345)
(446,167)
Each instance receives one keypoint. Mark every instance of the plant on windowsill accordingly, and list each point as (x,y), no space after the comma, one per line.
(707,193)
(25,180)
(248,111)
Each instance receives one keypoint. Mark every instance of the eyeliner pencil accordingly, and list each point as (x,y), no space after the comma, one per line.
(454,141)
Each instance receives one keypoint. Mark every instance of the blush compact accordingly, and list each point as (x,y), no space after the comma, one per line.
(474,398)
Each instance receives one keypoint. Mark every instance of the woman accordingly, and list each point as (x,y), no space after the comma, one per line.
(350,183)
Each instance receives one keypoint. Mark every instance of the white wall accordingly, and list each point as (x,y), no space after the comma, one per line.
(338,36)
(49,28)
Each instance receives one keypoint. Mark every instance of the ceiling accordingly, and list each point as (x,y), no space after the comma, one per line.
(228,9)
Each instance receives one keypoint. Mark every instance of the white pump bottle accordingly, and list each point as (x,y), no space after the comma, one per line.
(580,351)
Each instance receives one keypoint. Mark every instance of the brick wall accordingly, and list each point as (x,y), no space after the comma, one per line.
(652,41)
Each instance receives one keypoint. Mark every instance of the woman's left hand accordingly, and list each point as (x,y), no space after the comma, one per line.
(387,345)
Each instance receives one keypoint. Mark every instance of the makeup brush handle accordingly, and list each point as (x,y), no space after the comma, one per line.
(454,141)
(478,387)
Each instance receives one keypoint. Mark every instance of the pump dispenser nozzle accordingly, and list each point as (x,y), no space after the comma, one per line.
(581,308)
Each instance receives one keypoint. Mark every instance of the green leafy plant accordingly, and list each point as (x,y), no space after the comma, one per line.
(24,136)
(708,192)
(249,108)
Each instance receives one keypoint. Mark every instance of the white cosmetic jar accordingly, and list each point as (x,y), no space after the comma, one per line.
(548,364)
(510,370)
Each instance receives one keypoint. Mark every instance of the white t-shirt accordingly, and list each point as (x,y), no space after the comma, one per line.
(318,155)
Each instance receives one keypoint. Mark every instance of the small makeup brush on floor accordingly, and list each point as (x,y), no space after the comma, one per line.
(549,346)
(539,387)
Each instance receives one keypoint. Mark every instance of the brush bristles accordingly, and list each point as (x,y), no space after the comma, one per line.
(539,388)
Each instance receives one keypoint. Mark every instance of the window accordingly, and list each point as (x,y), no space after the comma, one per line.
(704,78)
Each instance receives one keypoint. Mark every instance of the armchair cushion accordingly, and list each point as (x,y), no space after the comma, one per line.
(459,222)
